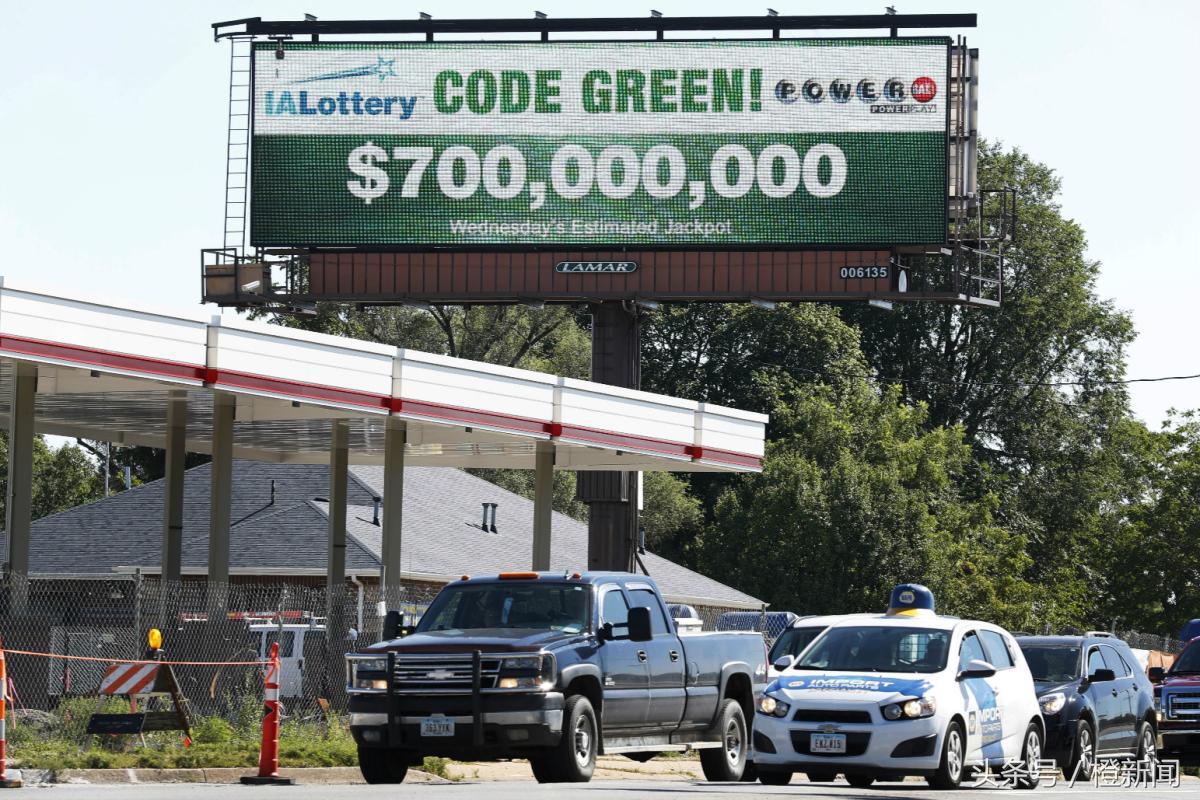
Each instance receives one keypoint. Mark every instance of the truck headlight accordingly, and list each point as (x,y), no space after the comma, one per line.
(1052,703)
(773,707)
(368,674)
(527,672)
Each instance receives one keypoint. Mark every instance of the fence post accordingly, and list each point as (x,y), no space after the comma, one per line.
(8,779)
(268,755)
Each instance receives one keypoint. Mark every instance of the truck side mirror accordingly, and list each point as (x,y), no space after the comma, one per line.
(639,624)
(1156,674)
(391,624)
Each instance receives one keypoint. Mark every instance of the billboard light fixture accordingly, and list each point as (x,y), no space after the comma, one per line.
(539,15)
(652,305)
(655,14)
(536,305)
(423,15)
(772,12)
(886,305)
(252,286)
(769,305)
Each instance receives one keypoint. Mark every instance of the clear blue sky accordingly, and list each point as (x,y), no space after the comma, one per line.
(114,128)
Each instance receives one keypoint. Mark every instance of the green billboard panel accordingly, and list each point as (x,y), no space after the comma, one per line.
(750,143)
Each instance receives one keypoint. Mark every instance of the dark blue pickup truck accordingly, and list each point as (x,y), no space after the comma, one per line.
(557,669)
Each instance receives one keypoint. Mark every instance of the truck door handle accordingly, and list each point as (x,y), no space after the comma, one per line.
(1114,692)
(642,655)
(674,655)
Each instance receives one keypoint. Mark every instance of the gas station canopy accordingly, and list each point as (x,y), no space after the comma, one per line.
(109,370)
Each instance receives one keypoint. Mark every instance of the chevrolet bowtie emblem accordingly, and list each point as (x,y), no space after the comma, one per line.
(439,675)
(828,728)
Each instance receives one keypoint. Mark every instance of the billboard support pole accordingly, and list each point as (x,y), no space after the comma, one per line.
(612,496)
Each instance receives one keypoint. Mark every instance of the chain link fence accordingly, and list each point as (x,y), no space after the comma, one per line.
(110,619)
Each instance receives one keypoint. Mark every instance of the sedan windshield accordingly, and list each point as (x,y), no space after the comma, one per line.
(526,605)
(793,641)
(1053,663)
(877,648)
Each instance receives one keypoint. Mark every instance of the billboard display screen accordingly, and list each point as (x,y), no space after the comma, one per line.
(685,144)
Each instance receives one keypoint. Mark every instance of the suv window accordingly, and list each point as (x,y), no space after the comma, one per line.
(614,609)
(646,598)
(1095,661)
(997,649)
(971,649)
(1114,661)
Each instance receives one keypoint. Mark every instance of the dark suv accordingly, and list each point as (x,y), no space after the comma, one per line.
(1096,701)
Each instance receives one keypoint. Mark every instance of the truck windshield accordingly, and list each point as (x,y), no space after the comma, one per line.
(1053,663)
(536,606)
(877,648)
(1188,661)
(793,641)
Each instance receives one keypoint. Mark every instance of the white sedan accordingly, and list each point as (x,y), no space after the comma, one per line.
(906,693)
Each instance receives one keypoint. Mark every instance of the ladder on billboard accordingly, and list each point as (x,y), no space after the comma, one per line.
(237,148)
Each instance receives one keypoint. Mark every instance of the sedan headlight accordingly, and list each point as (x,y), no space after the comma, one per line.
(368,674)
(527,672)
(910,709)
(772,706)
(1052,703)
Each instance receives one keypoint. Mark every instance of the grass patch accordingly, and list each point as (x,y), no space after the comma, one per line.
(58,740)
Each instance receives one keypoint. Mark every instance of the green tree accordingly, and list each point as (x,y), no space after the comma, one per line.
(858,494)
(1061,459)
(62,478)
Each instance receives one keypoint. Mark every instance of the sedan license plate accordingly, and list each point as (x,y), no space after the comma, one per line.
(437,726)
(827,743)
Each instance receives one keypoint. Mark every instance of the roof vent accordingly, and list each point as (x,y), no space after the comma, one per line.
(375,518)
(486,526)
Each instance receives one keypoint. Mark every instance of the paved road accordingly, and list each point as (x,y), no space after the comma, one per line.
(523,790)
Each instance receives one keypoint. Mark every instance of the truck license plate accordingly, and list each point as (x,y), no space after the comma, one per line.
(827,743)
(437,726)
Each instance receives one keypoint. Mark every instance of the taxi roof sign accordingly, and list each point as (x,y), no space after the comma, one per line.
(910,600)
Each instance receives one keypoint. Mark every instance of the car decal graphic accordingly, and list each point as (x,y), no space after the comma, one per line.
(853,683)
(990,724)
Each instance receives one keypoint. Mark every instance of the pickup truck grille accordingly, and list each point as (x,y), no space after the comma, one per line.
(1183,705)
(441,673)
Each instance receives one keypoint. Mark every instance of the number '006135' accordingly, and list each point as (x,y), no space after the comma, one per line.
(864,272)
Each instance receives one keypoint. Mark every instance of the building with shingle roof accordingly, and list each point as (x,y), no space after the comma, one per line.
(279,530)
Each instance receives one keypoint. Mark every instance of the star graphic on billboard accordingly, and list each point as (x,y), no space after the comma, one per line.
(385,68)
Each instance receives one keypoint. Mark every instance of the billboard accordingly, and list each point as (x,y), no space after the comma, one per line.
(683,144)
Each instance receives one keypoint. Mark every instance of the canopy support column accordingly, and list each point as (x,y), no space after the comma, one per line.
(543,502)
(612,496)
(335,578)
(395,438)
(224,412)
(176,452)
(19,491)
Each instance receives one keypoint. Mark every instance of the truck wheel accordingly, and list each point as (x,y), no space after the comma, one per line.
(1031,757)
(381,766)
(954,752)
(574,758)
(775,778)
(725,763)
(1083,754)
